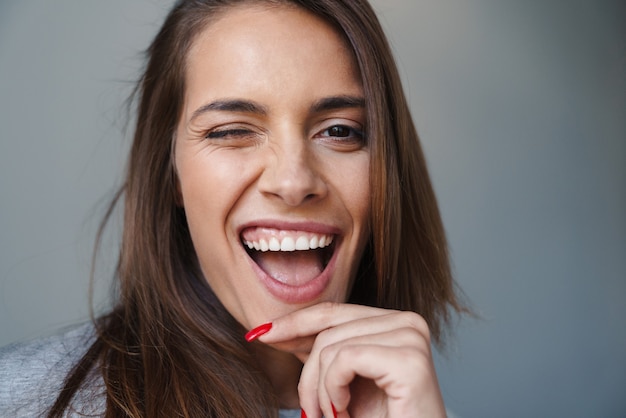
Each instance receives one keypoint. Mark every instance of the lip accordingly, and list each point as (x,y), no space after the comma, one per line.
(305,226)
(308,291)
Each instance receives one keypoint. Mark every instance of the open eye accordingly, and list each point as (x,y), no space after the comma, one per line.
(342,133)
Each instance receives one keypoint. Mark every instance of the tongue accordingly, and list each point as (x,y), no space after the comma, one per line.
(293,268)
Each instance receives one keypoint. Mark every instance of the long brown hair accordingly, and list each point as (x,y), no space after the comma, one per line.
(169,348)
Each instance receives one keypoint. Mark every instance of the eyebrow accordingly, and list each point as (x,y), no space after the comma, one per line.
(247,106)
(337,102)
(236,105)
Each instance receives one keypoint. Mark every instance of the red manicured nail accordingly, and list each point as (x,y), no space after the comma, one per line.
(255,333)
(302,414)
(332,405)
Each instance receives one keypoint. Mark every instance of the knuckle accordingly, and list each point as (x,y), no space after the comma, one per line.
(411,337)
(416,322)
(350,353)
(322,340)
(303,391)
(326,355)
(416,340)
(302,388)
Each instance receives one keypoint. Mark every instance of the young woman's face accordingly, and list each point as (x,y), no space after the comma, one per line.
(272,165)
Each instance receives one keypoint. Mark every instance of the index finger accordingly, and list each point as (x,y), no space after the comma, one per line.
(314,319)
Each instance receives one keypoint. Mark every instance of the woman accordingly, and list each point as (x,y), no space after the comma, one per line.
(282,247)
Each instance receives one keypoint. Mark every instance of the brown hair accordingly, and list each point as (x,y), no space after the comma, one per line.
(169,348)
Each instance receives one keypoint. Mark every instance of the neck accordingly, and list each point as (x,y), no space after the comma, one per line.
(283,370)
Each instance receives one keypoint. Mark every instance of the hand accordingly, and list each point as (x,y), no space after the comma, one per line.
(363,361)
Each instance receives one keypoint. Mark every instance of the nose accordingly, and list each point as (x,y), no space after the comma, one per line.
(291,174)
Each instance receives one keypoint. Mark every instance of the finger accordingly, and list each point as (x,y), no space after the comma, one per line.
(404,373)
(354,332)
(312,391)
(300,347)
(312,320)
(308,393)
(374,326)
(394,328)
(408,337)
(325,357)
(369,325)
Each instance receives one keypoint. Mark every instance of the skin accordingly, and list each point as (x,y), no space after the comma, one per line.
(367,362)
(285,161)
(278,165)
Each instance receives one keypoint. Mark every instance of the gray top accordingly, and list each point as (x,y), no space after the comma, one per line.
(32,374)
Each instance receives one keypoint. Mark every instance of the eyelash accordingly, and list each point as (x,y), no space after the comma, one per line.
(353,134)
(221,134)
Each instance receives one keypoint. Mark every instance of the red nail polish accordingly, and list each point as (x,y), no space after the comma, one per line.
(302,414)
(332,405)
(255,333)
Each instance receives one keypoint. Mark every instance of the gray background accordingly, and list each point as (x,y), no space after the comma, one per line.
(521,107)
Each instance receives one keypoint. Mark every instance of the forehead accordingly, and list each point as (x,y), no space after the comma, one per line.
(262,41)
(260,21)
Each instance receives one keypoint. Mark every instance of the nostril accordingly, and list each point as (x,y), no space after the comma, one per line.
(292,176)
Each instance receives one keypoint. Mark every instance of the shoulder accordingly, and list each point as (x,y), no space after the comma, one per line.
(32,373)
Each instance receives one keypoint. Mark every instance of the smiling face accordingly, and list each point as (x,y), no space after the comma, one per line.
(272,164)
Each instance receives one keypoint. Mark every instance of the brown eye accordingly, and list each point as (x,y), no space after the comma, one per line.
(339,131)
(342,131)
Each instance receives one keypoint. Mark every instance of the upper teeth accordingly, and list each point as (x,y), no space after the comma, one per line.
(288,243)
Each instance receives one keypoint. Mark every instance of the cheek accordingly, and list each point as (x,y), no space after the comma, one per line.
(355,186)
(209,183)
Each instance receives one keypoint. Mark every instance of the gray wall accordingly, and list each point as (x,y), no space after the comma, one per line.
(521,107)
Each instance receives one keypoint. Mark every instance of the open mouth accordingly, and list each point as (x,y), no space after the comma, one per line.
(293,258)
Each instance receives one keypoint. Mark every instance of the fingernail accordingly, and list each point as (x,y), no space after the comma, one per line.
(302,414)
(332,405)
(255,333)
